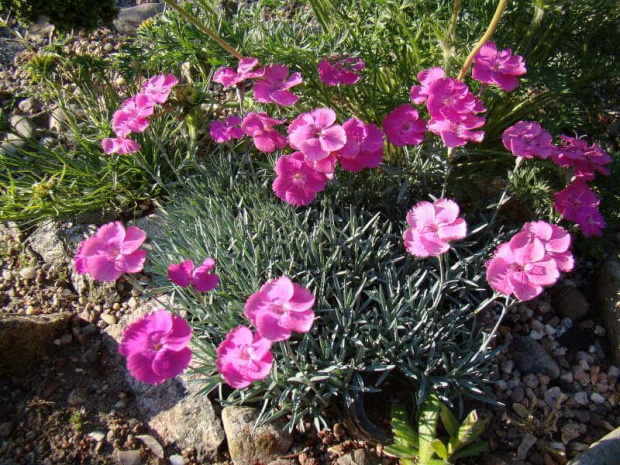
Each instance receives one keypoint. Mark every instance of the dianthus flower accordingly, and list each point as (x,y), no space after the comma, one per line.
(403,126)
(528,139)
(452,99)
(259,126)
(184,274)
(340,69)
(279,308)
(585,159)
(228,77)
(222,131)
(274,86)
(556,241)
(243,357)
(432,225)
(364,146)
(132,117)
(298,181)
(111,252)
(521,267)
(156,347)
(419,93)
(158,87)
(316,135)
(498,68)
(457,133)
(120,146)
(578,203)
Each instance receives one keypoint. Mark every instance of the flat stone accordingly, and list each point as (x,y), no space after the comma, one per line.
(129,19)
(22,126)
(526,444)
(153,445)
(570,302)
(176,459)
(530,357)
(607,293)
(359,457)
(129,457)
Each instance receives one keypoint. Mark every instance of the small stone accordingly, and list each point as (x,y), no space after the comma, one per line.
(501,384)
(28,272)
(338,430)
(89,329)
(6,428)
(30,310)
(108,318)
(531,357)
(526,444)
(531,381)
(152,444)
(116,306)
(613,371)
(537,336)
(581,397)
(550,330)
(508,366)
(570,302)
(129,457)
(583,416)
(544,380)
(176,459)
(518,394)
(567,377)
(597,398)
(66,339)
(553,394)
(97,436)
(571,431)
(579,374)
(120,405)
(77,396)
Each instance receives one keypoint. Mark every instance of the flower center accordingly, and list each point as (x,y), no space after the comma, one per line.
(278,309)
(155,342)
(246,353)
(114,250)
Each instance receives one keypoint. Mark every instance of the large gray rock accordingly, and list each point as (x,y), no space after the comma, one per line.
(608,301)
(172,409)
(129,19)
(23,339)
(530,357)
(248,444)
(604,452)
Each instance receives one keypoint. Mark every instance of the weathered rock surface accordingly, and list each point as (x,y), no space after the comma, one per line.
(608,301)
(248,444)
(604,452)
(530,357)
(129,19)
(359,457)
(23,339)
(570,302)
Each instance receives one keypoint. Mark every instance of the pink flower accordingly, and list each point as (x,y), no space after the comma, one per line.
(316,135)
(280,307)
(585,159)
(243,357)
(403,126)
(132,117)
(340,69)
(578,203)
(432,225)
(229,77)
(419,94)
(121,145)
(259,126)
(556,241)
(498,68)
(274,86)
(528,139)
(184,274)
(452,99)
(298,181)
(364,146)
(158,87)
(521,267)
(156,347)
(222,131)
(111,252)
(457,133)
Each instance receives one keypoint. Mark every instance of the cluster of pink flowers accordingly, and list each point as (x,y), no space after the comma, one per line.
(498,68)
(528,139)
(340,69)
(279,308)
(183,274)
(532,259)
(134,113)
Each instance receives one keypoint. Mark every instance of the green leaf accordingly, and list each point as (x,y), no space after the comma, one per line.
(474,449)
(440,448)
(400,451)
(427,427)
(403,431)
(471,428)
(449,421)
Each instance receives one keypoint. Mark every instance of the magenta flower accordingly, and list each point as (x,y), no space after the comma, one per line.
(298,181)
(279,308)
(432,225)
(498,68)
(340,69)
(158,87)
(403,126)
(183,274)
(243,357)
(156,347)
(521,267)
(316,135)
(132,117)
(452,99)
(528,139)
(419,93)
(364,146)
(229,77)
(457,133)
(556,241)
(111,252)
(121,146)
(578,203)
(275,84)
(585,159)
(222,131)
(259,126)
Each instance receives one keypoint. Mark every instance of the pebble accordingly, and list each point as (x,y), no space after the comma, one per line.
(97,436)
(526,444)
(518,394)
(154,446)
(578,374)
(597,398)
(508,366)
(567,376)
(613,371)
(544,379)
(108,318)
(550,330)
(581,397)
(536,335)
(77,396)
(89,329)
(531,381)
(120,405)
(66,339)
(176,459)
(552,394)
(28,273)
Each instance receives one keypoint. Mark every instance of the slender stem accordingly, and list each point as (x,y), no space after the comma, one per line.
(207,30)
(518,163)
(292,356)
(495,328)
(455,13)
(448,169)
(501,6)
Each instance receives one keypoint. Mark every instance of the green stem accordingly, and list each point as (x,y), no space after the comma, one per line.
(207,30)
(292,356)
(455,12)
(511,175)
(496,327)
(501,6)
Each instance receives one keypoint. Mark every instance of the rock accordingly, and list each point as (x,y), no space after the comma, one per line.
(129,19)
(282,462)
(173,409)
(129,457)
(581,397)
(28,272)
(89,329)
(508,366)
(526,444)
(24,338)
(597,398)
(571,431)
(248,444)
(176,459)
(359,457)
(108,318)
(6,428)
(604,452)
(552,394)
(97,436)
(77,396)
(530,357)
(22,126)
(570,302)
(152,444)
(607,293)
(29,106)
(518,394)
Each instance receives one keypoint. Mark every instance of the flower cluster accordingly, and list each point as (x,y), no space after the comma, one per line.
(202,278)
(340,69)
(498,68)
(532,259)
(279,308)
(134,113)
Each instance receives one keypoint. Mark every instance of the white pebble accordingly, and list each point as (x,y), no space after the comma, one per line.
(581,398)
(535,335)
(597,398)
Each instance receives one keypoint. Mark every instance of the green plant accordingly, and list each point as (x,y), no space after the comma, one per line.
(421,445)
